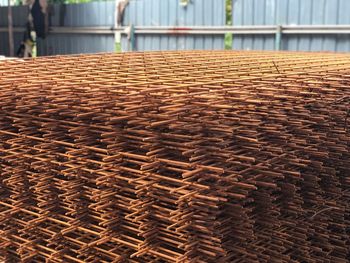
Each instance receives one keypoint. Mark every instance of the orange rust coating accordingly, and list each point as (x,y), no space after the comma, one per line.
(197,156)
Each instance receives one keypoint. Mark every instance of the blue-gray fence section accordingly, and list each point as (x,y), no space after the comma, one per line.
(88,15)
(292,12)
(161,13)
(171,17)
(20,16)
(155,13)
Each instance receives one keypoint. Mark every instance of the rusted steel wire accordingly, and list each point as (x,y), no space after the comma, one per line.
(175,157)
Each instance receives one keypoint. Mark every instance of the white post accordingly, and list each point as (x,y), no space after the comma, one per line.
(117,35)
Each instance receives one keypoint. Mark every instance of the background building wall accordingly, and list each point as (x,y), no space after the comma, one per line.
(292,13)
(304,25)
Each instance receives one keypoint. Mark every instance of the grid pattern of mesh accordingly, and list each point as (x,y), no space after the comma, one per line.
(175,157)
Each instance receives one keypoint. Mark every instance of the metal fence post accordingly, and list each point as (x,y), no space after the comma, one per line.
(10,29)
(278,37)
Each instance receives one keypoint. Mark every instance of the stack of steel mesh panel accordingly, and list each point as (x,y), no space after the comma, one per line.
(175,157)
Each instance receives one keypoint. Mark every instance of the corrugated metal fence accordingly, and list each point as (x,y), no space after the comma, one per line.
(175,21)
(87,28)
(318,15)
(78,16)
(167,25)
(20,16)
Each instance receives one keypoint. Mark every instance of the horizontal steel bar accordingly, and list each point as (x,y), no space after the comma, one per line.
(201,30)
(315,31)
(166,30)
(15,29)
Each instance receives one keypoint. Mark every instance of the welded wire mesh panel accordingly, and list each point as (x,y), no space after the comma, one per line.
(175,157)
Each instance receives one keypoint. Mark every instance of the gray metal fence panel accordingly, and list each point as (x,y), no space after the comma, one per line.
(75,44)
(83,15)
(4,43)
(171,14)
(153,13)
(20,15)
(94,14)
(178,25)
(292,12)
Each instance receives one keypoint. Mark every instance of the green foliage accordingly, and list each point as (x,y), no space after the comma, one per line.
(228,37)
(229,12)
(228,41)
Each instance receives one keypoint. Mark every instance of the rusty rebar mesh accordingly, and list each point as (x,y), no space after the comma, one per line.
(175,157)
